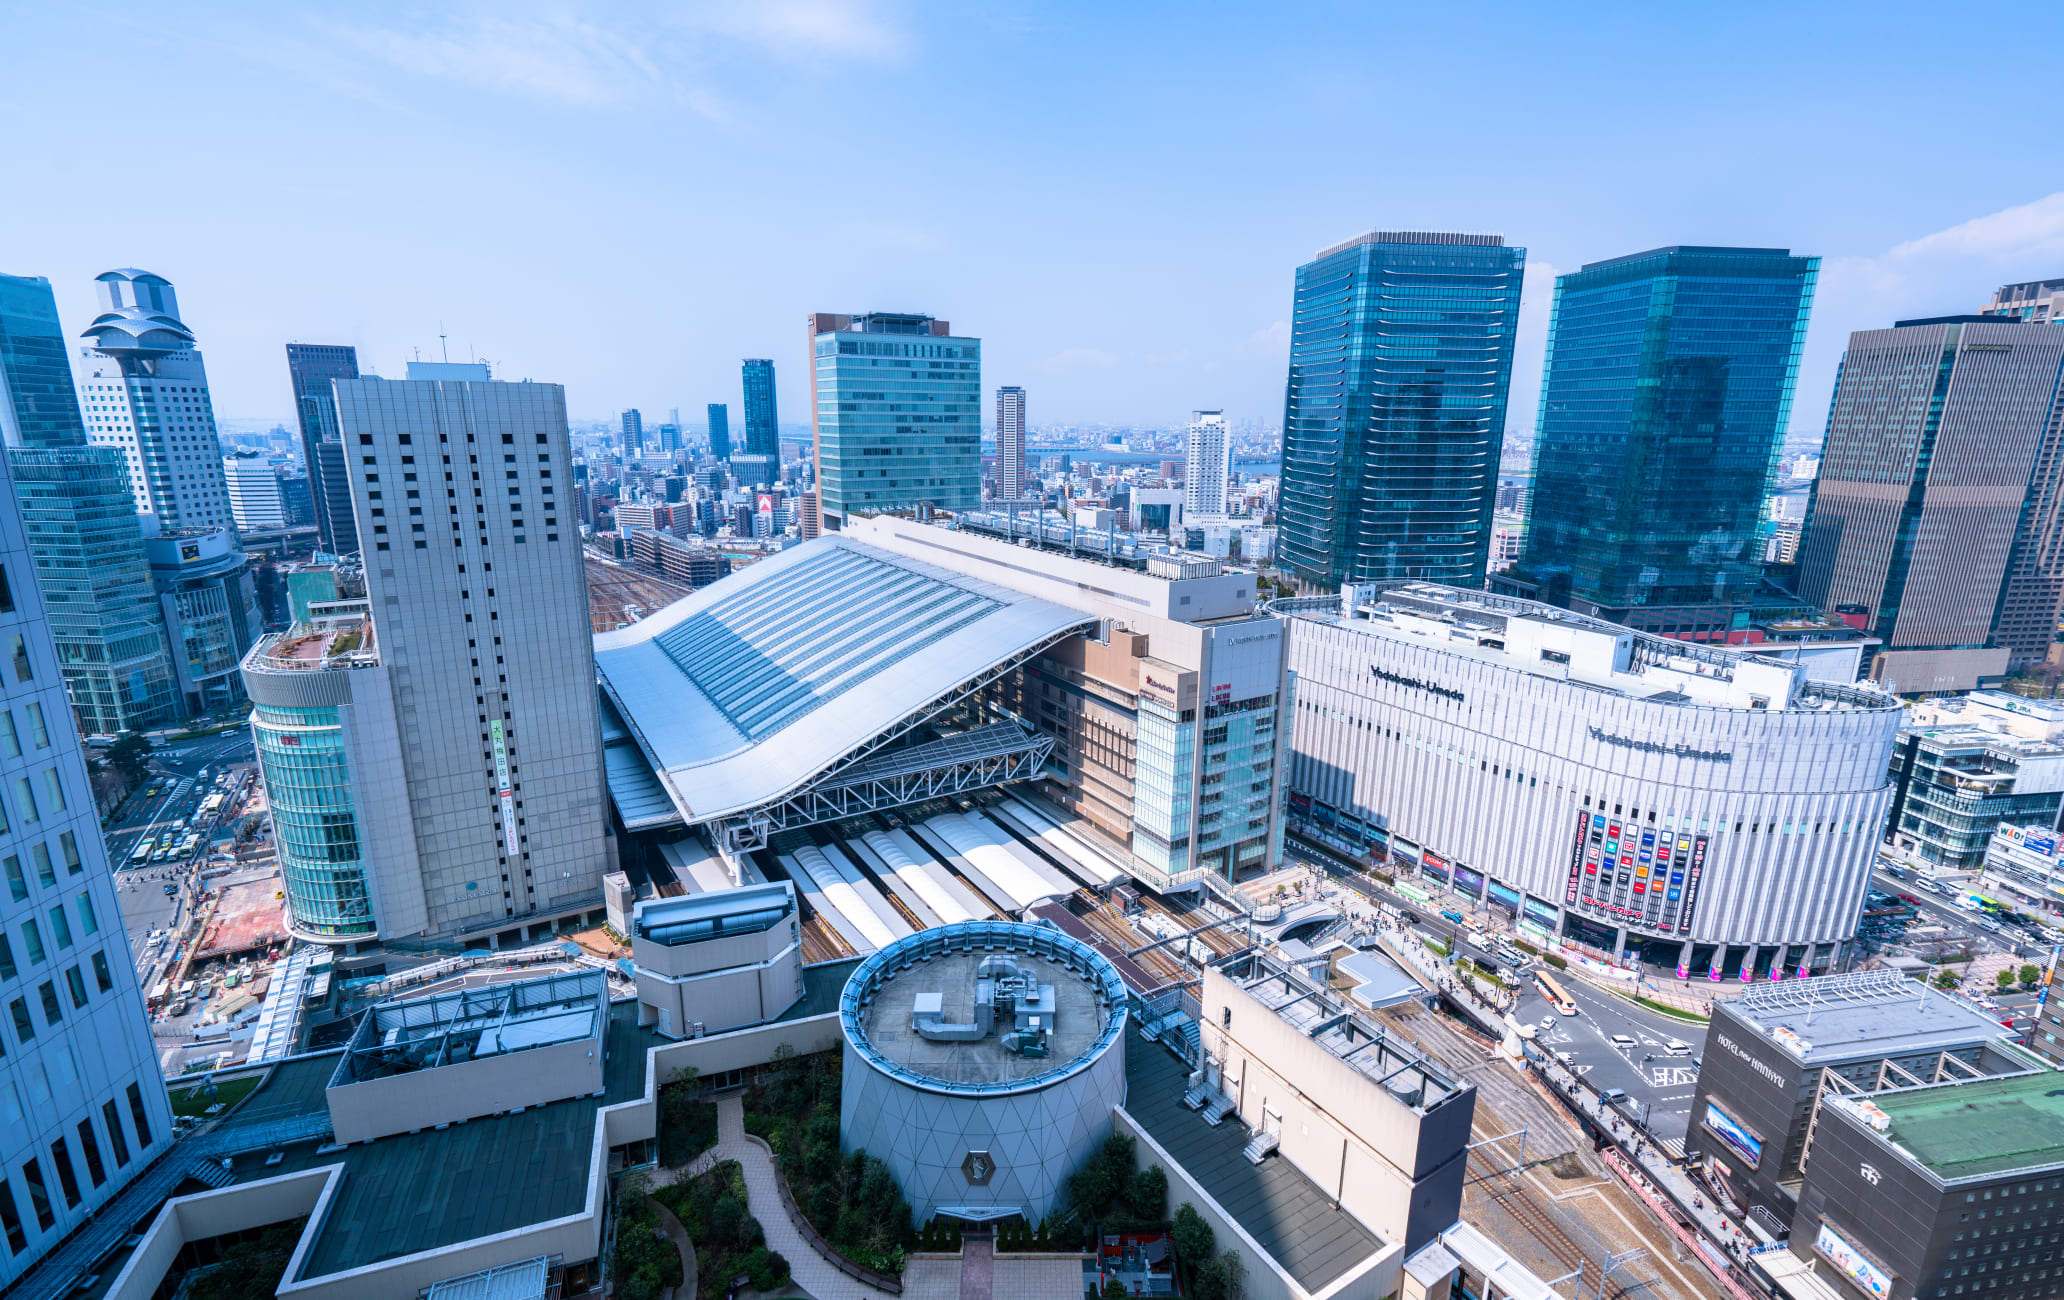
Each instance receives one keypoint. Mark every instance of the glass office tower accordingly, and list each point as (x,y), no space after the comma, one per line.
(1667,389)
(762,426)
(719,431)
(80,519)
(312,366)
(898,403)
(1394,414)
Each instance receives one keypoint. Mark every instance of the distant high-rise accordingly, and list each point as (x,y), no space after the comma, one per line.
(1938,514)
(145,390)
(311,367)
(85,1109)
(80,518)
(809,522)
(1207,464)
(254,493)
(719,431)
(1010,443)
(633,433)
(1664,402)
(1394,413)
(897,405)
(762,423)
(669,438)
(2039,302)
(483,629)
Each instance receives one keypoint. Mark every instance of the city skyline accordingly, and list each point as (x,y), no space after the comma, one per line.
(1091,297)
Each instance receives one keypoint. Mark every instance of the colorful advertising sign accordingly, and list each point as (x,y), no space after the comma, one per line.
(1505,896)
(1692,873)
(1540,911)
(1837,1251)
(1469,882)
(1734,1135)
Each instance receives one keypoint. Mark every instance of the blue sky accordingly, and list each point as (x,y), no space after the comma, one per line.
(629,198)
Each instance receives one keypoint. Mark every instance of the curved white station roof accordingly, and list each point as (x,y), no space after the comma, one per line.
(744,692)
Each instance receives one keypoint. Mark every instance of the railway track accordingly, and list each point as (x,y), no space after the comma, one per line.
(1516,1199)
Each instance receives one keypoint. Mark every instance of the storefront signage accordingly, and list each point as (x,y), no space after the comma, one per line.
(1692,872)
(1576,866)
(1540,911)
(503,789)
(1745,1144)
(1651,747)
(1399,679)
(1837,1251)
(1469,882)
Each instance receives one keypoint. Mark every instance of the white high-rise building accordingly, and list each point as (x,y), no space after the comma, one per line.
(145,391)
(1010,443)
(254,492)
(1207,465)
(462,488)
(82,1107)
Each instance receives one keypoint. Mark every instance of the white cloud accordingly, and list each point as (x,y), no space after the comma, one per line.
(1269,341)
(797,28)
(553,56)
(2013,232)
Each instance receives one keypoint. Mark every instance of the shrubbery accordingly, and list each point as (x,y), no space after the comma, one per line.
(728,1239)
(1212,1276)
(248,1268)
(850,1198)
(687,1124)
(646,1263)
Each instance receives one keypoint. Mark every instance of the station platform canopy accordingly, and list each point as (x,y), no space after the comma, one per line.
(767,684)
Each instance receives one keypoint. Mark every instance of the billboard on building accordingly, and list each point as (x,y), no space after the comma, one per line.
(1834,1248)
(1743,1143)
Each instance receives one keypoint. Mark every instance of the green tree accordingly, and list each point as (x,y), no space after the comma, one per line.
(1946,979)
(2031,975)
(2005,979)
(130,755)
(1232,1272)
(1115,1290)
(1194,1240)
(1149,1194)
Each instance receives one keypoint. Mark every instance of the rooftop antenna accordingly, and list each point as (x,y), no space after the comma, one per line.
(441,344)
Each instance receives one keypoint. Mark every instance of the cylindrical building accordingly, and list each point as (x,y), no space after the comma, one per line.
(1715,808)
(300,687)
(982,1062)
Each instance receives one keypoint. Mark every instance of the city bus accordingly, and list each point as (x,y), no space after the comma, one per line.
(142,851)
(1553,992)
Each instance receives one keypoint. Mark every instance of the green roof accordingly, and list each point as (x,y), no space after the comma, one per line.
(1986,1126)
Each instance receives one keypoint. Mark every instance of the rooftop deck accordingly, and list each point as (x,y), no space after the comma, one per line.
(1868,1014)
(1977,1128)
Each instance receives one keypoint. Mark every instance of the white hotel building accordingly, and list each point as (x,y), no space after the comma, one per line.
(1613,788)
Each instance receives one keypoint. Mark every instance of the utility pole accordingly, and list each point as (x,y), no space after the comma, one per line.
(1614,1261)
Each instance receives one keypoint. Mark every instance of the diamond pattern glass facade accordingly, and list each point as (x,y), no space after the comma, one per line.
(1394,413)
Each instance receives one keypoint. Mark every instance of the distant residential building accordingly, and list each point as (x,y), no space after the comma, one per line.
(311,367)
(145,392)
(2038,302)
(254,493)
(684,562)
(1010,443)
(669,436)
(1394,414)
(79,514)
(1207,464)
(762,418)
(297,499)
(808,520)
(1940,501)
(897,404)
(482,616)
(85,1109)
(633,430)
(1666,395)
(719,431)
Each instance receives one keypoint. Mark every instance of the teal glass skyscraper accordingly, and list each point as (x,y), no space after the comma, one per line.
(80,518)
(1394,413)
(1663,408)
(719,431)
(898,407)
(762,418)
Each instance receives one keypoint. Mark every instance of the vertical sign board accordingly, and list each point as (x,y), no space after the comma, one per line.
(1576,864)
(503,789)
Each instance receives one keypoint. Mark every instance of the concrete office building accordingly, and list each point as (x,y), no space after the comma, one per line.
(1010,442)
(1939,500)
(713,962)
(475,582)
(719,431)
(1954,785)
(255,503)
(1664,401)
(1394,409)
(311,367)
(82,1108)
(896,401)
(2038,302)
(982,1061)
(1778,1052)
(1207,465)
(81,522)
(633,434)
(762,411)
(208,606)
(145,389)
(1596,783)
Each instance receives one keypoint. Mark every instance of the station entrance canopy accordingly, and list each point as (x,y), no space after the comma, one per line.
(816,684)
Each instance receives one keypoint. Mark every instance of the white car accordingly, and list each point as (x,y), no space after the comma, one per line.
(1677,1047)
